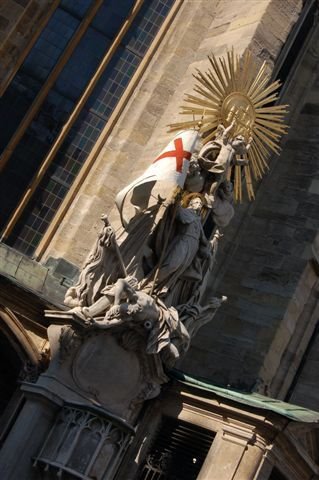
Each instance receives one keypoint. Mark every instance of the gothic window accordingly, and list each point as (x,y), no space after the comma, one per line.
(39,138)
(83,444)
(37,67)
(178,451)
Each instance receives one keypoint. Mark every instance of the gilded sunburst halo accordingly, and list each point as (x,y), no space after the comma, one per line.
(234,90)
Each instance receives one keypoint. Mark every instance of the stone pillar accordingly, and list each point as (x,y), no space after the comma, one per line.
(265,468)
(26,438)
(249,463)
(233,456)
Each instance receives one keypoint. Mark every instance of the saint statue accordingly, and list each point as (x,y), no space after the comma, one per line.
(153,281)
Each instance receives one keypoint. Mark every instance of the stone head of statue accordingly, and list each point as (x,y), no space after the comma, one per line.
(196,204)
(239,144)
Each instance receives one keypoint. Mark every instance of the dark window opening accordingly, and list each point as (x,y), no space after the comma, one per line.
(10,366)
(178,451)
(276,475)
(34,71)
(11,399)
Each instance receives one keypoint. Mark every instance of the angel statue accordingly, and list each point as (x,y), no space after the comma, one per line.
(218,155)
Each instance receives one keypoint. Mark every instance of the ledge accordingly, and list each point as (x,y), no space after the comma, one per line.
(31,276)
(288,410)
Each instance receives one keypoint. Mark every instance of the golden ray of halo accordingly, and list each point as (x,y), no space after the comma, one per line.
(234,85)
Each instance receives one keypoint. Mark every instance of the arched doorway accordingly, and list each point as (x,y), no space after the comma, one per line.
(16,350)
(10,367)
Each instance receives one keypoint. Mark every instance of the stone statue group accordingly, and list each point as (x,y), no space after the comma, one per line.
(152,277)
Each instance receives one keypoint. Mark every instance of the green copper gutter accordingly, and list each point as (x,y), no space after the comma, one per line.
(288,410)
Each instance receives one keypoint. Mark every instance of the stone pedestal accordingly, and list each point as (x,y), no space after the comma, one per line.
(108,369)
(79,416)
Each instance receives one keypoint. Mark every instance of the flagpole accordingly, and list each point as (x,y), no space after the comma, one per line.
(176,196)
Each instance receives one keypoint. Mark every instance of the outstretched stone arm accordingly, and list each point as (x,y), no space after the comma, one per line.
(195,316)
(123,289)
(223,132)
(226,131)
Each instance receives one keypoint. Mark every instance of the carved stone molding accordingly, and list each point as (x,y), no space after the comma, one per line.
(238,435)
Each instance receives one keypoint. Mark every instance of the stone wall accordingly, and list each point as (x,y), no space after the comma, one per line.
(201,27)
(21,22)
(258,340)
(263,264)
(43,281)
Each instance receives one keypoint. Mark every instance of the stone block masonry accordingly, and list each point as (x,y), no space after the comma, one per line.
(21,22)
(269,276)
(267,244)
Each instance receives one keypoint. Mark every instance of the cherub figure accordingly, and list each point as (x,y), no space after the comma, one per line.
(221,204)
(221,153)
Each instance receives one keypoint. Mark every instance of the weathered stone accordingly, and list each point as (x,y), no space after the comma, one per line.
(21,24)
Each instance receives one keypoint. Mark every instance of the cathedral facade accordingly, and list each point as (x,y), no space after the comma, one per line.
(88,89)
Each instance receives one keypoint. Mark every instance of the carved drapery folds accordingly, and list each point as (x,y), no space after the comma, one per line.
(146,284)
(150,281)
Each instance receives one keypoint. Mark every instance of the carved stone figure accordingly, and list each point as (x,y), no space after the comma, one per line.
(168,330)
(182,258)
(220,154)
(196,177)
(165,247)
(94,271)
(209,172)
(127,305)
(112,295)
(138,298)
(221,204)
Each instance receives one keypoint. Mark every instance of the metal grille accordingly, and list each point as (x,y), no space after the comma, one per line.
(178,452)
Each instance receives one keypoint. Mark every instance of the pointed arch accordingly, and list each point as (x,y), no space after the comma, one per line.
(18,336)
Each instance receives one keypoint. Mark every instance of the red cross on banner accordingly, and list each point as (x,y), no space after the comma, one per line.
(179,154)
(167,171)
